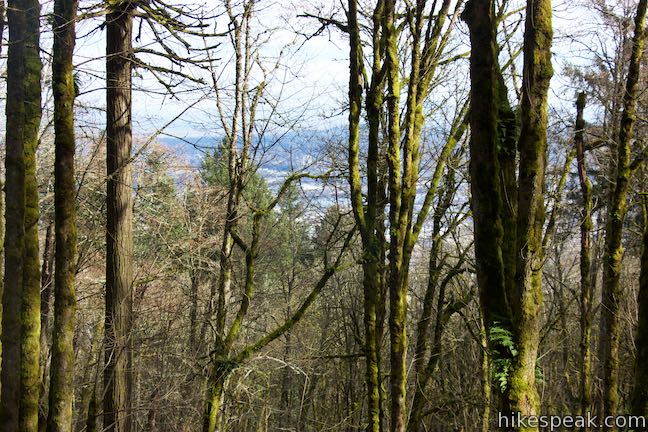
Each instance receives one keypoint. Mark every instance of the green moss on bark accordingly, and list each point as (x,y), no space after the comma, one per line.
(21,296)
(612,290)
(61,391)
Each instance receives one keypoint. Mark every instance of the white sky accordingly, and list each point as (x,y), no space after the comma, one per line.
(316,74)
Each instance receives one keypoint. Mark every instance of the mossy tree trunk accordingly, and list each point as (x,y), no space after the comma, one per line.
(30,367)
(119,236)
(486,200)
(401,159)
(15,223)
(489,203)
(493,168)
(509,261)
(526,303)
(369,218)
(61,392)
(21,296)
(216,385)
(612,291)
(235,168)
(585,264)
(396,183)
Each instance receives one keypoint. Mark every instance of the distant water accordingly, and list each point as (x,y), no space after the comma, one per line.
(278,156)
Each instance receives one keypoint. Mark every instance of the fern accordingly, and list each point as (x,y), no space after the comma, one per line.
(500,337)
(502,356)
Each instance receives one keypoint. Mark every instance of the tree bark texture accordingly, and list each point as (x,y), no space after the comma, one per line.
(119,236)
(61,392)
(21,297)
(612,290)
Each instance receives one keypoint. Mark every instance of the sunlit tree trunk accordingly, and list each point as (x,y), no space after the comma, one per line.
(21,296)
(61,392)
(612,291)
(398,179)
(526,303)
(372,292)
(31,378)
(119,236)
(585,264)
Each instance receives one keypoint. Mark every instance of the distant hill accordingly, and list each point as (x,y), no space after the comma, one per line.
(277,156)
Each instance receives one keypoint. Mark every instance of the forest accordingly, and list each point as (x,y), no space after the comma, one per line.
(324,215)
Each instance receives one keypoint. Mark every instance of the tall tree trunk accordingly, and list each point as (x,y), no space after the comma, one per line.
(397,179)
(486,200)
(31,377)
(15,222)
(21,296)
(490,201)
(119,237)
(527,300)
(61,392)
(372,270)
(585,264)
(216,379)
(502,296)
(612,293)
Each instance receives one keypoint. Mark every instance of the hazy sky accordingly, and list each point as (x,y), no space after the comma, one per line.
(313,78)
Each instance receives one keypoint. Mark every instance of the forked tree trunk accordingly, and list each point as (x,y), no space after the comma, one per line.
(496,262)
(372,248)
